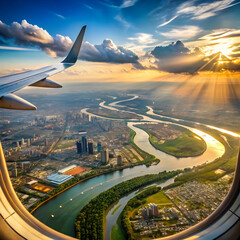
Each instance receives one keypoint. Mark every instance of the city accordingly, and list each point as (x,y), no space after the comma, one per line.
(69,148)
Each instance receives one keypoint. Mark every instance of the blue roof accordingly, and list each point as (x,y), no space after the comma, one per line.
(58,178)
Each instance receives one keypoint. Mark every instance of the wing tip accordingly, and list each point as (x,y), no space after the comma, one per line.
(74,52)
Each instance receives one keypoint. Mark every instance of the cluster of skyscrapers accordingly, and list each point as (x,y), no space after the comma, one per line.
(85,146)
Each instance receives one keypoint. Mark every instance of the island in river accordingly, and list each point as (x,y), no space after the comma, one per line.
(174,140)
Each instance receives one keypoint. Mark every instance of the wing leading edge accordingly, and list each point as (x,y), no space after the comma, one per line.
(37,78)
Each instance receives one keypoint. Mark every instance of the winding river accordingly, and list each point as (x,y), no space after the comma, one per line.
(56,212)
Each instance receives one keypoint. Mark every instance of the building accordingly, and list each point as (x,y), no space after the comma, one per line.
(45,142)
(99,147)
(14,172)
(119,160)
(105,156)
(79,147)
(58,178)
(90,147)
(29,184)
(154,212)
(67,168)
(84,144)
(149,211)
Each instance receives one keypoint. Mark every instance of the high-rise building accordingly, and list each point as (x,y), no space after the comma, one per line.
(14,170)
(99,147)
(150,211)
(79,147)
(119,160)
(84,144)
(90,147)
(105,156)
(154,209)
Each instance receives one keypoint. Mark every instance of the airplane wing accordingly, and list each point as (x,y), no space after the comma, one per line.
(38,78)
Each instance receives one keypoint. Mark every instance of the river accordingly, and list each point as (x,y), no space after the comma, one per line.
(60,213)
(111,218)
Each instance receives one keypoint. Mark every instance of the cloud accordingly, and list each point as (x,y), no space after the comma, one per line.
(222,33)
(26,34)
(198,11)
(184,32)
(125,4)
(16,48)
(171,50)
(143,38)
(88,6)
(60,16)
(176,58)
(167,22)
(203,10)
(107,52)
(128,3)
(120,19)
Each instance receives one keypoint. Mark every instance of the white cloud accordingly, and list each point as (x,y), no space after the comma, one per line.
(120,19)
(107,51)
(204,10)
(183,33)
(17,48)
(167,22)
(26,34)
(128,3)
(60,16)
(143,38)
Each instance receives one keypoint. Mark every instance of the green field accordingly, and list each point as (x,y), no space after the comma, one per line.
(206,173)
(148,158)
(113,114)
(117,233)
(65,144)
(158,198)
(116,209)
(186,145)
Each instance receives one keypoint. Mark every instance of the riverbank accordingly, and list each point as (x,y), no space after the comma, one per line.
(33,208)
(89,222)
(186,145)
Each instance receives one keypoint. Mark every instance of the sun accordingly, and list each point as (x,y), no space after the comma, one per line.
(225,48)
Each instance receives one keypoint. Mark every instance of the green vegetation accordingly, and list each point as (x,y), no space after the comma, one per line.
(116,209)
(206,172)
(148,158)
(31,194)
(136,202)
(113,114)
(89,222)
(67,144)
(158,198)
(117,233)
(186,145)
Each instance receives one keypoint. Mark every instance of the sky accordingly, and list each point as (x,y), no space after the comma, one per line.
(125,40)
